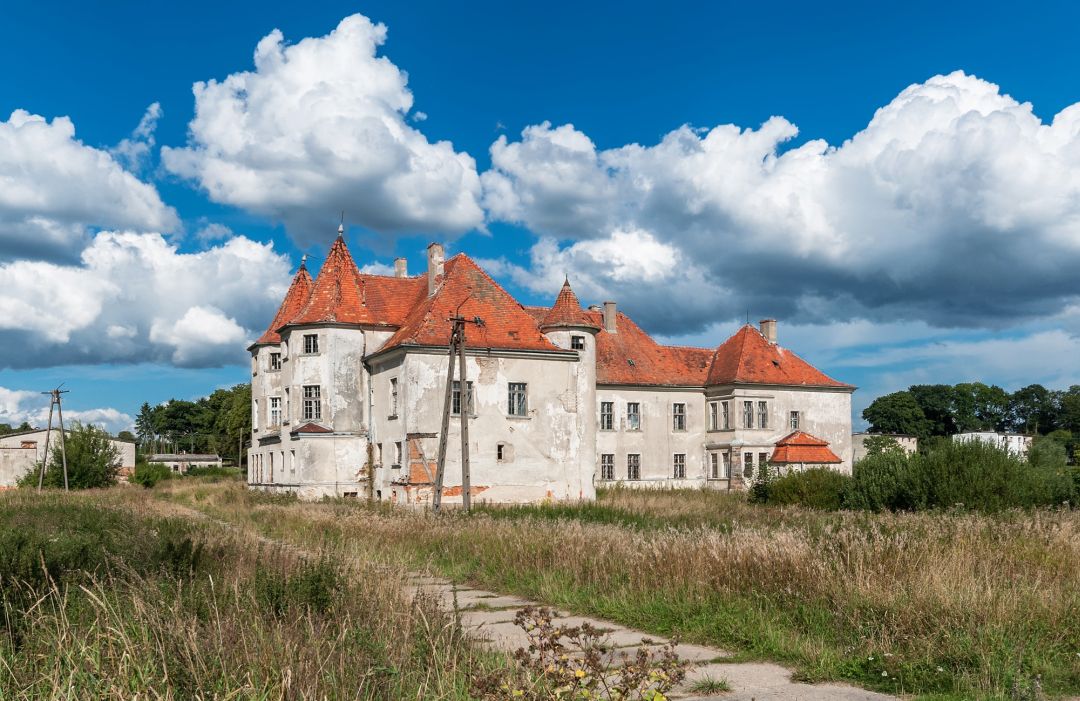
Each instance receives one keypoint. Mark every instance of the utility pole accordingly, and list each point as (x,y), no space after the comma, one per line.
(457,347)
(54,401)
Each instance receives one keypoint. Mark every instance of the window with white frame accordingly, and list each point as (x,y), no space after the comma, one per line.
(275,411)
(577,343)
(393,396)
(748,465)
(714,421)
(455,398)
(607,466)
(714,466)
(748,414)
(763,414)
(794,421)
(312,403)
(311,343)
(679,462)
(275,361)
(633,466)
(633,416)
(678,417)
(725,472)
(607,416)
(517,399)
(727,416)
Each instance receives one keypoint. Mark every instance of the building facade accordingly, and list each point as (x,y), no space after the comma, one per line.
(21,452)
(349,384)
(907,443)
(1014,443)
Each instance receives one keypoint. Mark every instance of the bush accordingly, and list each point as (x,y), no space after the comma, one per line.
(150,473)
(215,473)
(972,475)
(817,488)
(92,460)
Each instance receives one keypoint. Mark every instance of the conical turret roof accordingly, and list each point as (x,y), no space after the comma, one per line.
(567,311)
(295,299)
(338,295)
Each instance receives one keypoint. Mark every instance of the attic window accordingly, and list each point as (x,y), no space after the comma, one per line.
(512,334)
(630,362)
(776,363)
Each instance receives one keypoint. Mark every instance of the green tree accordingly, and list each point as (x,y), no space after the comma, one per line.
(898,412)
(92,460)
(126,436)
(876,445)
(980,407)
(938,404)
(1034,409)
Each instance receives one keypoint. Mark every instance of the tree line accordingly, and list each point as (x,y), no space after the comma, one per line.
(945,410)
(213,424)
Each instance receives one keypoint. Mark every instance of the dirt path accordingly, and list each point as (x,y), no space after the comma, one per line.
(489,616)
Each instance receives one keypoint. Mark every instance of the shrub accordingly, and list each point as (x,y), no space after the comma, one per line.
(973,475)
(150,473)
(817,488)
(92,460)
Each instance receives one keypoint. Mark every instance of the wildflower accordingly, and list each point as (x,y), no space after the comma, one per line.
(940,669)
(884,673)
(580,673)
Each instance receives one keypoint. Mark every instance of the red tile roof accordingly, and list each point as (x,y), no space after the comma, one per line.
(631,357)
(467,290)
(295,299)
(749,357)
(800,447)
(312,428)
(567,312)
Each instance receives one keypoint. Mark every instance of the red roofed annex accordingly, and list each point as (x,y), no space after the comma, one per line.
(349,382)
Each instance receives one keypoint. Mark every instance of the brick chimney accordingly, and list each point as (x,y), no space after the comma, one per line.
(768,329)
(401,267)
(435,258)
(609,317)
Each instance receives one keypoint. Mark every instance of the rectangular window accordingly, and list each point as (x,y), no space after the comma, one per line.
(748,464)
(748,414)
(271,467)
(255,415)
(633,466)
(607,416)
(312,403)
(762,460)
(678,417)
(726,464)
(518,399)
(393,396)
(679,460)
(311,343)
(275,411)
(397,454)
(288,406)
(455,398)
(714,466)
(714,422)
(607,466)
(275,361)
(292,462)
(794,421)
(763,414)
(577,343)
(633,416)
(727,416)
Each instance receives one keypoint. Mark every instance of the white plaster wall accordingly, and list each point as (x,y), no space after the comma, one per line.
(15,463)
(657,442)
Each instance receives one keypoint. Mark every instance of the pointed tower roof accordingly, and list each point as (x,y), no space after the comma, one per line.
(800,447)
(295,299)
(338,295)
(567,312)
(749,357)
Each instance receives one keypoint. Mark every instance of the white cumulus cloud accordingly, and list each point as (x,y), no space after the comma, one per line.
(321,126)
(55,191)
(136,298)
(17,406)
(956,205)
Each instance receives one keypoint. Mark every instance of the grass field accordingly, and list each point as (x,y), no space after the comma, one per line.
(111,595)
(941,605)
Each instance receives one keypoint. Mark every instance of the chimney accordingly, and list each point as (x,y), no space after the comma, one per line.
(435,257)
(768,329)
(609,317)
(401,267)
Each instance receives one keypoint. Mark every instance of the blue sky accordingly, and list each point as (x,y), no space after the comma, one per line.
(935,246)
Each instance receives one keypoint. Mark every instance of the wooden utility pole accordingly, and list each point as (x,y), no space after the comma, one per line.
(54,401)
(457,347)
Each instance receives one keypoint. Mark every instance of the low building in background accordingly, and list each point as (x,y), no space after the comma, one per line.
(1017,444)
(21,451)
(180,463)
(909,444)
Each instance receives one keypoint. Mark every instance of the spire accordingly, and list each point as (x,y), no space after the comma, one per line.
(567,311)
(338,293)
(295,299)
(341,226)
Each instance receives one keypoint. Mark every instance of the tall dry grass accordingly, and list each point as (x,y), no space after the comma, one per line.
(189,610)
(957,605)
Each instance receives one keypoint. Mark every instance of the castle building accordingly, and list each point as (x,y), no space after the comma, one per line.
(348,389)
